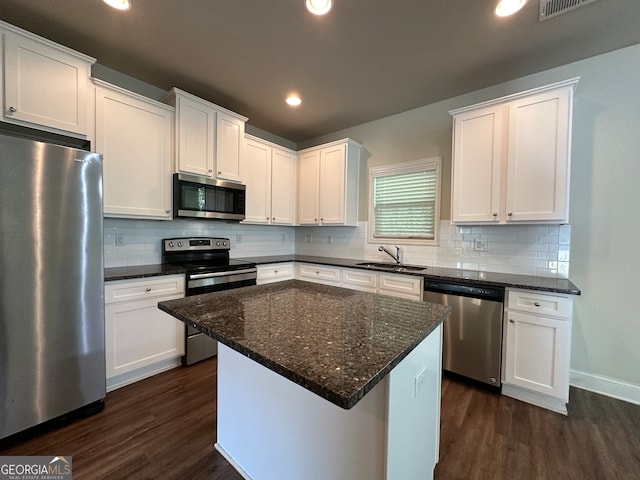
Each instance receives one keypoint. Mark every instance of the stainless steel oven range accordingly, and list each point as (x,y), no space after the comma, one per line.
(209,269)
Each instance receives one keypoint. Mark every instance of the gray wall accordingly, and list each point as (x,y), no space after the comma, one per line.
(604,199)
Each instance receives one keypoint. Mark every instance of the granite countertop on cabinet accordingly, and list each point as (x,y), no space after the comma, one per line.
(468,277)
(335,342)
(141,271)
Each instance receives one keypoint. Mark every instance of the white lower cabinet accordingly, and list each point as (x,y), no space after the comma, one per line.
(405,286)
(537,348)
(275,272)
(140,339)
(327,275)
(393,284)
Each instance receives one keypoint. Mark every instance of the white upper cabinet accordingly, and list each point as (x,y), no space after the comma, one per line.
(268,171)
(44,85)
(209,138)
(328,184)
(511,158)
(134,134)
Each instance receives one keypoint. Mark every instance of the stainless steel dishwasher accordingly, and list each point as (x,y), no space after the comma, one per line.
(472,335)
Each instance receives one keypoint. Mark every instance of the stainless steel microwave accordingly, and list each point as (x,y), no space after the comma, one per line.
(202,197)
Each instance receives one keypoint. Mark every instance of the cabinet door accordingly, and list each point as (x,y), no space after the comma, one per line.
(256,172)
(308,178)
(538,157)
(229,142)
(195,128)
(283,187)
(537,353)
(331,185)
(477,163)
(137,335)
(44,85)
(135,137)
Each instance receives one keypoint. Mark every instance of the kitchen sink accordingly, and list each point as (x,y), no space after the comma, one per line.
(391,267)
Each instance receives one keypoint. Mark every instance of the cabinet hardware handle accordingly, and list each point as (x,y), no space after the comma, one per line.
(273,218)
(167,211)
(275,271)
(148,289)
(211,170)
(511,320)
(219,172)
(12,109)
(510,214)
(495,214)
(267,218)
(536,304)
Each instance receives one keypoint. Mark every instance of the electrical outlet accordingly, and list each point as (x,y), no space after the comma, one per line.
(119,240)
(330,239)
(309,238)
(480,245)
(238,238)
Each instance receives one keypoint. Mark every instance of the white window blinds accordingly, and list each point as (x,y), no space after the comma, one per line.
(405,201)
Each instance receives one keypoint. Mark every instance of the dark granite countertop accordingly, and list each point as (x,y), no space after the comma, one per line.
(468,277)
(336,342)
(141,271)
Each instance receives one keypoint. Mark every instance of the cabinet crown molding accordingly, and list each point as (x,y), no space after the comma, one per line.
(175,91)
(572,82)
(18,31)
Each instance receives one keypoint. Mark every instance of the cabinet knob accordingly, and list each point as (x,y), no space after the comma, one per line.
(167,211)
(273,219)
(275,271)
(211,170)
(511,320)
(148,289)
(537,304)
(12,109)
(495,214)
(219,172)
(510,214)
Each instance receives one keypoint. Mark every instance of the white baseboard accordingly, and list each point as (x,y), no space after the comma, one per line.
(610,387)
(128,378)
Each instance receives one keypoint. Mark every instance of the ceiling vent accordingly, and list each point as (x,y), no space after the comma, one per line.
(553,8)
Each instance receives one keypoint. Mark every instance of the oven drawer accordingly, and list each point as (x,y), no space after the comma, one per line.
(128,290)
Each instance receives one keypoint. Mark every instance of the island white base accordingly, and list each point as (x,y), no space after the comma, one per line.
(270,428)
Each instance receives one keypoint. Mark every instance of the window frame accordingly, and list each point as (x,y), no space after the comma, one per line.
(431,163)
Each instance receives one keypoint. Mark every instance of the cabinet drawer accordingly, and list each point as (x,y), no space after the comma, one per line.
(274,273)
(543,304)
(360,280)
(405,286)
(127,290)
(320,274)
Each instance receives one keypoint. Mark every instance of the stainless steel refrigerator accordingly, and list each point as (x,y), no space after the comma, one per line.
(51,283)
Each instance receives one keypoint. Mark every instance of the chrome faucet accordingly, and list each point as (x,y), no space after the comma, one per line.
(395,257)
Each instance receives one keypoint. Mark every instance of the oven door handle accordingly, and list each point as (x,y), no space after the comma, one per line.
(221,274)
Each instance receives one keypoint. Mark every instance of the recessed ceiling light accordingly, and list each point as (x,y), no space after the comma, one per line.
(119,4)
(509,7)
(293,100)
(319,7)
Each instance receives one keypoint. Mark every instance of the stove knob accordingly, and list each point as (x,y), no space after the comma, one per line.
(179,244)
(217,244)
(170,244)
(225,243)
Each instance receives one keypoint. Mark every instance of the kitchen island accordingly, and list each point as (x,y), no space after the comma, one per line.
(321,382)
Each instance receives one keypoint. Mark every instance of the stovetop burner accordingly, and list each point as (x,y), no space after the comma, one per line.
(201,254)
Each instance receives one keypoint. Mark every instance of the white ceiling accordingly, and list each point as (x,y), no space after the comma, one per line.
(365,60)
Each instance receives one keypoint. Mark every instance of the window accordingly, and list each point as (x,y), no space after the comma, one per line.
(404,205)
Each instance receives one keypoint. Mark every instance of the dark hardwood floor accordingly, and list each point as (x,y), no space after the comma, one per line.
(164,428)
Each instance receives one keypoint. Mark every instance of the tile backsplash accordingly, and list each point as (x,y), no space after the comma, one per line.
(142,239)
(540,250)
